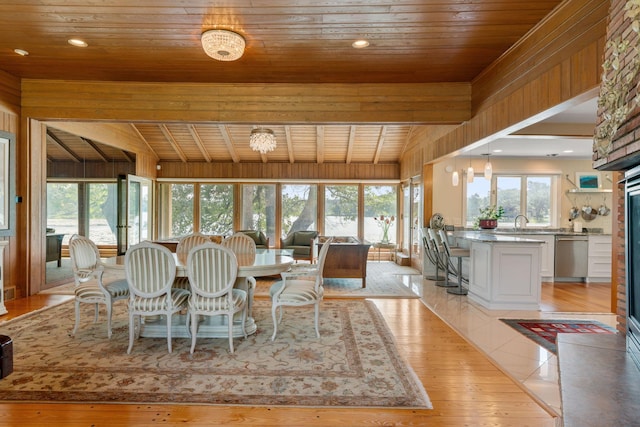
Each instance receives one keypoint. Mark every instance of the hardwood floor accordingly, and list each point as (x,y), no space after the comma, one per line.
(464,386)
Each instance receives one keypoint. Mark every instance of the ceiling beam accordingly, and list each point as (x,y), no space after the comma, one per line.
(224,131)
(381,137)
(167,134)
(64,147)
(196,137)
(351,143)
(97,149)
(320,144)
(287,133)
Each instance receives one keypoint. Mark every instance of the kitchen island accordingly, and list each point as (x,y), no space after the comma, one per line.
(504,271)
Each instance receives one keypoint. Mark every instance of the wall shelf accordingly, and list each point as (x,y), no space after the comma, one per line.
(578,191)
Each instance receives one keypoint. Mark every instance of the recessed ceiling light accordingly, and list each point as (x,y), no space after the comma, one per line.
(568,151)
(359,44)
(77,43)
(497,150)
(21,52)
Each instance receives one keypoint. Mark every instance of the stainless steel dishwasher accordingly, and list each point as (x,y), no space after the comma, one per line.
(571,256)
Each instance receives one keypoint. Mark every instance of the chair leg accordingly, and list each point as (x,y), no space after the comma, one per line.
(109,303)
(194,331)
(317,317)
(132,331)
(169,316)
(77,324)
(275,322)
(97,311)
(230,322)
(458,290)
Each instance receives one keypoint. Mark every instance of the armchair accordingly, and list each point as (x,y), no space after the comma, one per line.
(303,244)
(260,239)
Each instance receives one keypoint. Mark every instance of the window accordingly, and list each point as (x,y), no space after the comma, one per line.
(63,209)
(102,213)
(216,209)
(380,200)
(341,210)
(259,208)
(177,209)
(299,208)
(530,195)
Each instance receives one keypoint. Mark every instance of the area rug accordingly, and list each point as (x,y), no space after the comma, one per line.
(354,364)
(545,331)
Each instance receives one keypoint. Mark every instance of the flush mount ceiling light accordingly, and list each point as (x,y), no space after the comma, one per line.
(77,43)
(262,140)
(223,45)
(359,44)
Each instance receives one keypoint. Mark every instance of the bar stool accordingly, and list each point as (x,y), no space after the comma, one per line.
(440,257)
(434,258)
(454,253)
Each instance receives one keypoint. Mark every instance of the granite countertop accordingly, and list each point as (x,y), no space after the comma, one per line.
(543,231)
(482,236)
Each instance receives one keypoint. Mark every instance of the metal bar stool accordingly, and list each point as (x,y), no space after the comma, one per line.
(454,253)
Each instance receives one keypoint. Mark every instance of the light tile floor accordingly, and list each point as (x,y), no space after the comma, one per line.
(535,368)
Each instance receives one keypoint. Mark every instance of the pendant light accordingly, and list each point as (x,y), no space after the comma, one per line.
(488,169)
(455,179)
(470,172)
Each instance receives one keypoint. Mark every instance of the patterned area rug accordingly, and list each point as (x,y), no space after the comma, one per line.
(545,331)
(354,363)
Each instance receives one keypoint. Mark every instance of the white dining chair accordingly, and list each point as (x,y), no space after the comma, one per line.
(151,269)
(92,286)
(185,244)
(299,287)
(212,270)
(244,247)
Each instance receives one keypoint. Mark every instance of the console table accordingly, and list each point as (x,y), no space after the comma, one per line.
(54,248)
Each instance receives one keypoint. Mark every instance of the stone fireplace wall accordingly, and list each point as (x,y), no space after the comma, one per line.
(625,147)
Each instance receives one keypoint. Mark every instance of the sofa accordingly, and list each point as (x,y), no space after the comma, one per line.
(260,239)
(302,243)
(346,258)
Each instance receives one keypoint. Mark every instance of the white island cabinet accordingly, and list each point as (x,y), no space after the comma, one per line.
(504,271)
(599,258)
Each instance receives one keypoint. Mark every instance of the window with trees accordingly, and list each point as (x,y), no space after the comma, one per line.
(63,213)
(380,201)
(341,210)
(102,219)
(530,195)
(299,207)
(259,208)
(216,209)
(176,216)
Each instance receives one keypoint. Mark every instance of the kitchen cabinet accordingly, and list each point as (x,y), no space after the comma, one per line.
(547,253)
(599,258)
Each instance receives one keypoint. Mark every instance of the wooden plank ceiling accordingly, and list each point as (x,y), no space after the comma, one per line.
(288,41)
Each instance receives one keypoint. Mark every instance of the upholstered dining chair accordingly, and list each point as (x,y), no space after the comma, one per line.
(185,244)
(151,269)
(92,286)
(244,247)
(299,287)
(212,270)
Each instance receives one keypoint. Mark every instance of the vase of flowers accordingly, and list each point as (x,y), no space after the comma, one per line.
(385,222)
(489,216)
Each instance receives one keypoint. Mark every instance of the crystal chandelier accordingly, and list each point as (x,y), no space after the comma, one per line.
(223,45)
(262,140)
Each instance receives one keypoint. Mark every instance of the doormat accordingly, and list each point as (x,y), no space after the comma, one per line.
(545,331)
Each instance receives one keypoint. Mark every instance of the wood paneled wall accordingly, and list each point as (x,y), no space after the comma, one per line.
(559,62)
(9,122)
(280,171)
(90,170)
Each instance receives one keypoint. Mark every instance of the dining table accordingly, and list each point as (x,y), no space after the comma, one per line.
(265,262)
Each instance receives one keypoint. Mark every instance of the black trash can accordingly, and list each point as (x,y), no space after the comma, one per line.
(6,356)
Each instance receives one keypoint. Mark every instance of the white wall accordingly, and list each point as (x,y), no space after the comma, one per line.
(447,199)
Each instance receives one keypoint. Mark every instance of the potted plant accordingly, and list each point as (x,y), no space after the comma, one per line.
(489,216)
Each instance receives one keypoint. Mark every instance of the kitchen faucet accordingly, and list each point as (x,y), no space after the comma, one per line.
(515,222)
